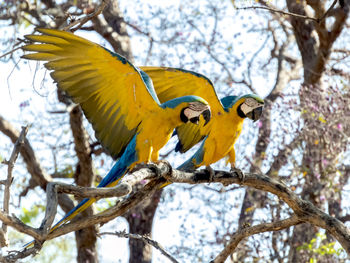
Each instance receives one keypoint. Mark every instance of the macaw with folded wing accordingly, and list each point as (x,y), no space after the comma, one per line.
(228,114)
(117,98)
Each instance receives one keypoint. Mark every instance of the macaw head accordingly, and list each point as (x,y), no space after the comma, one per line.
(193,111)
(249,105)
(192,107)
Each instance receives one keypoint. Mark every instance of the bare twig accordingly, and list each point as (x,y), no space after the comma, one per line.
(34,167)
(10,52)
(80,22)
(145,239)
(249,231)
(318,20)
(327,12)
(279,11)
(10,166)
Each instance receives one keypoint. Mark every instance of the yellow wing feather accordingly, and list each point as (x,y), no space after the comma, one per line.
(109,88)
(170,83)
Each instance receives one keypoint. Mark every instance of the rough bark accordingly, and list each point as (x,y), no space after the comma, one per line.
(140,221)
(253,198)
(301,211)
(112,27)
(84,176)
(314,42)
(32,162)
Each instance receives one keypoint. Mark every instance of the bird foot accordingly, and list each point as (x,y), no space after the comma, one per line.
(239,173)
(154,168)
(211,173)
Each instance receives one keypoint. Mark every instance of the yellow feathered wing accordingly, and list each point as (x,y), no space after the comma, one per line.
(110,90)
(171,83)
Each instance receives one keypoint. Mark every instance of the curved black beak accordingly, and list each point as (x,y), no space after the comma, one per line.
(255,114)
(207,116)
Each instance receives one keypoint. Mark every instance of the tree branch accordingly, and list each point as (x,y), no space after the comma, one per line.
(82,21)
(303,211)
(318,20)
(33,163)
(10,166)
(249,231)
(279,11)
(145,239)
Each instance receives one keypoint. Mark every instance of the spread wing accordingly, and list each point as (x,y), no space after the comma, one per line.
(170,83)
(114,95)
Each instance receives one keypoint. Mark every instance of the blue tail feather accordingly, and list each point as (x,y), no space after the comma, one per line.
(112,178)
(114,175)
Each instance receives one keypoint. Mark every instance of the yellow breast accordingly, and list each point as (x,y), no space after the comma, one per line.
(225,131)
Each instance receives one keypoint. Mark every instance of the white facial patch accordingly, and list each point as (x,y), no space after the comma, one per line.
(195,109)
(249,105)
(189,113)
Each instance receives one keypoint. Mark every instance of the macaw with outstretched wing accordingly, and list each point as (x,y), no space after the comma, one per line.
(228,114)
(117,98)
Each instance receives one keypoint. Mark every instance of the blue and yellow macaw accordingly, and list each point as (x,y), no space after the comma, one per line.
(228,114)
(117,98)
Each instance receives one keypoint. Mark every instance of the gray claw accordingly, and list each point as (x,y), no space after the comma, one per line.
(154,168)
(211,173)
(239,173)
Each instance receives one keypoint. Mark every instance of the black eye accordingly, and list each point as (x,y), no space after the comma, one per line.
(183,117)
(194,120)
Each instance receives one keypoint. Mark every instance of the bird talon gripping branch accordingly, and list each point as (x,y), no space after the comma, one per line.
(211,173)
(240,174)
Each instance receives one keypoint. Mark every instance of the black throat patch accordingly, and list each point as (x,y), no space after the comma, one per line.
(183,117)
(240,112)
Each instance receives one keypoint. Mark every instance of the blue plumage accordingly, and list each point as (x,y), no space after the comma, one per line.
(114,175)
(196,159)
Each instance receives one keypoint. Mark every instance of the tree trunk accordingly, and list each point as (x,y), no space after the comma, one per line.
(140,222)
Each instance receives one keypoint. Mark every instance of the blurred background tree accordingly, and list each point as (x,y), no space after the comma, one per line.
(298,64)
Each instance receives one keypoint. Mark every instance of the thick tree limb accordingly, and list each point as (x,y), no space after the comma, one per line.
(112,27)
(303,211)
(91,192)
(19,226)
(84,176)
(121,207)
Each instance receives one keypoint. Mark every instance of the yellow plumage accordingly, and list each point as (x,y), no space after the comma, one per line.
(116,97)
(91,75)
(222,131)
